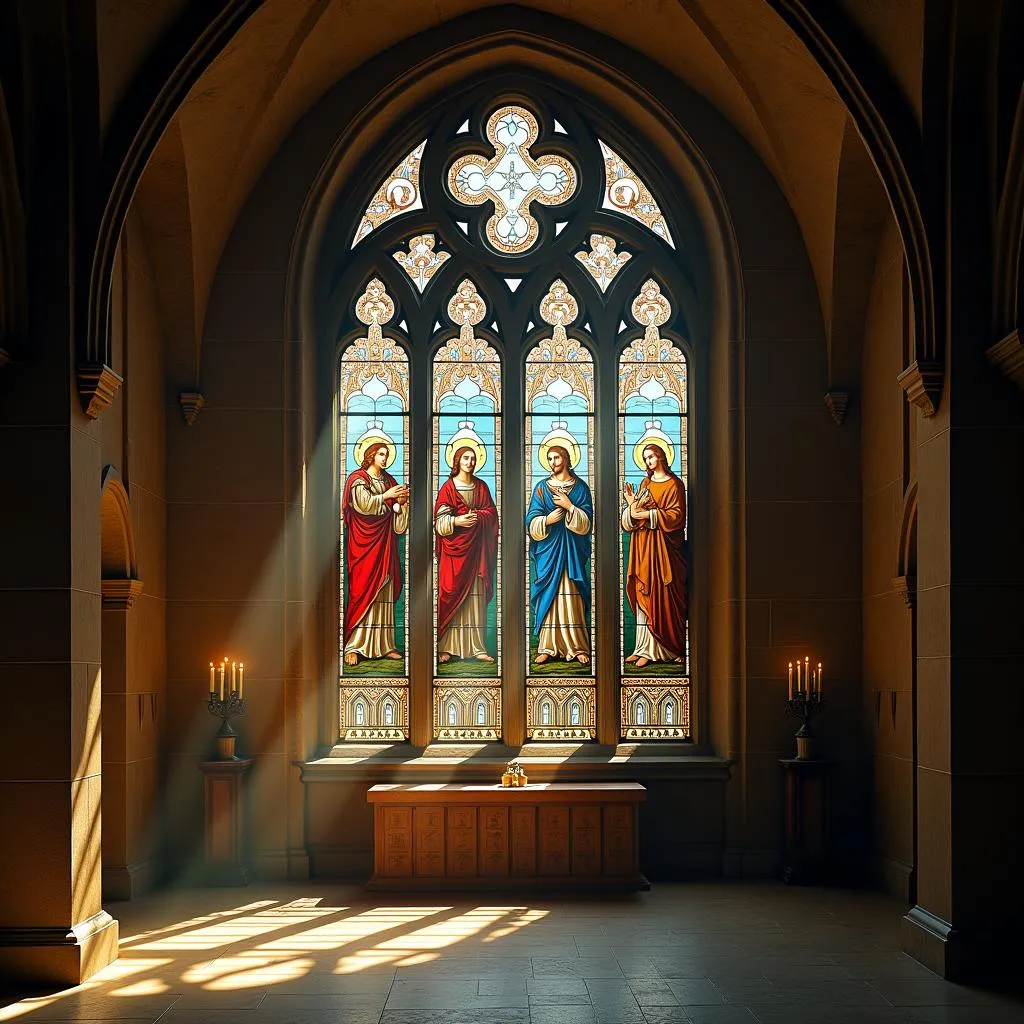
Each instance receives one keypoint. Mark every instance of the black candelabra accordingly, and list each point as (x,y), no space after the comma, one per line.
(804,702)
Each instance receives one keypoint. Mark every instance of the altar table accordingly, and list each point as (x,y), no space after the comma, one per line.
(551,835)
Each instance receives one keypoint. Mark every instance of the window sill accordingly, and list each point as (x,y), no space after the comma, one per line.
(542,763)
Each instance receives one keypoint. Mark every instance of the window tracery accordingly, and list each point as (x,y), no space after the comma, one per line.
(548,378)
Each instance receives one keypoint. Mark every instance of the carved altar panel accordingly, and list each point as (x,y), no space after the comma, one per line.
(553,841)
(524,840)
(493,841)
(462,841)
(619,840)
(586,840)
(428,837)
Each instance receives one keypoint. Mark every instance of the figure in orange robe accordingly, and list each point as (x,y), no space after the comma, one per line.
(466,525)
(655,515)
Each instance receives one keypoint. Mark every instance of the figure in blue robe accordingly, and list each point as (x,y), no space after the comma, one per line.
(559,522)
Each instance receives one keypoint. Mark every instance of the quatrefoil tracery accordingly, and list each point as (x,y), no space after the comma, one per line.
(512,179)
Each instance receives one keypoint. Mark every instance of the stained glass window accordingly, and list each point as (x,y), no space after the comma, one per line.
(398,193)
(560,516)
(422,260)
(602,260)
(511,289)
(625,192)
(653,468)
(373,406)
(467,518)
(511,179)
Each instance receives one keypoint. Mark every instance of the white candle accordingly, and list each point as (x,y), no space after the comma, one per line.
(212,683)
(819,678)
(241,679)
(791,680)
(222,680)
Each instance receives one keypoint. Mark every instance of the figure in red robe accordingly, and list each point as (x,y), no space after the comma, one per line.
(466,525)
(375,510)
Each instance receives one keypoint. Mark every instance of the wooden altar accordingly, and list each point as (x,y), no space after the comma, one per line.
(553,835)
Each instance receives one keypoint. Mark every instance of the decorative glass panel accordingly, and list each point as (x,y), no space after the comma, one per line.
(512,179)
(422,261)
(373,405)
(399,193)
(653,468)
(626,193)
(467,519)
(559,515)
(602,261)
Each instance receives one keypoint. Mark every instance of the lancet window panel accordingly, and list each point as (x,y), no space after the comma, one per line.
(653,467)
(560,520)
(466,468)
(374,516)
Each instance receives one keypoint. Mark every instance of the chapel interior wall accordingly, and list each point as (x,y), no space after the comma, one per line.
(783,492)
(134,640)
(887,476)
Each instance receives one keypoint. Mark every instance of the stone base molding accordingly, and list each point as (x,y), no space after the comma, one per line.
(61,956)
(975,956)
(126,882)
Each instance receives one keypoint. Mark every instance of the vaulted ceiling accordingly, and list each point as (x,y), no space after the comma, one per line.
(740,55)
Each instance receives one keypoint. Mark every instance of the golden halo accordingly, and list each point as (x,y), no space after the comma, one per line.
(369,440)
(662,442)
(566,441)
(465,441)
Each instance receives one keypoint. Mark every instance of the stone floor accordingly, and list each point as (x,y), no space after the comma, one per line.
(708,953)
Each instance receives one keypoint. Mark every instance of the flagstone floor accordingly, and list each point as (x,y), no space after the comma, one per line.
(706,953)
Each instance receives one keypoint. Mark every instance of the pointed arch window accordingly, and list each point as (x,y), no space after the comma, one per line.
(515,262)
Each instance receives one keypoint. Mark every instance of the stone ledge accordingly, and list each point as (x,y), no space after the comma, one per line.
(483,763)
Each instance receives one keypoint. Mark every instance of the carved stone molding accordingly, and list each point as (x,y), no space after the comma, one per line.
(97,385)
(906,587)
(837,402)
(191,403)
(922,382)
(1008,357)
(119,594)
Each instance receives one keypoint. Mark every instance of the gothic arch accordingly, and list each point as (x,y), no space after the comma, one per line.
(117,541)
(687,185)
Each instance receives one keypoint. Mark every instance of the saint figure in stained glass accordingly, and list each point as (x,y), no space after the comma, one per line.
(375,508)
(559,524)
(466,525)
(655,515)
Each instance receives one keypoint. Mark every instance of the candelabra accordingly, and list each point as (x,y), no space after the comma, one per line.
(225,708)
(804,702)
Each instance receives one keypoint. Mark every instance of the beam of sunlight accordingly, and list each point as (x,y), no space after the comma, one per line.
(237,929)
(145,987)
(195,922)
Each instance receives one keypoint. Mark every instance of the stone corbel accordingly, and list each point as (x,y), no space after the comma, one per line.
(191,403)
(906,587)
(837,402)
(119,594)
(1008,357)
(922,382)
(97,385)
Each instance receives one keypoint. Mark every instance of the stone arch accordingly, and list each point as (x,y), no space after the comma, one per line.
(695,187)
(117,540)
(905,580)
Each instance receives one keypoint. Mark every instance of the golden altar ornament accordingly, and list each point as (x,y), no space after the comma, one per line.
(513,775)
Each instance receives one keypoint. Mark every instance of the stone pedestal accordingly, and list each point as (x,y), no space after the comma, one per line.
(805,858)
(225,828)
